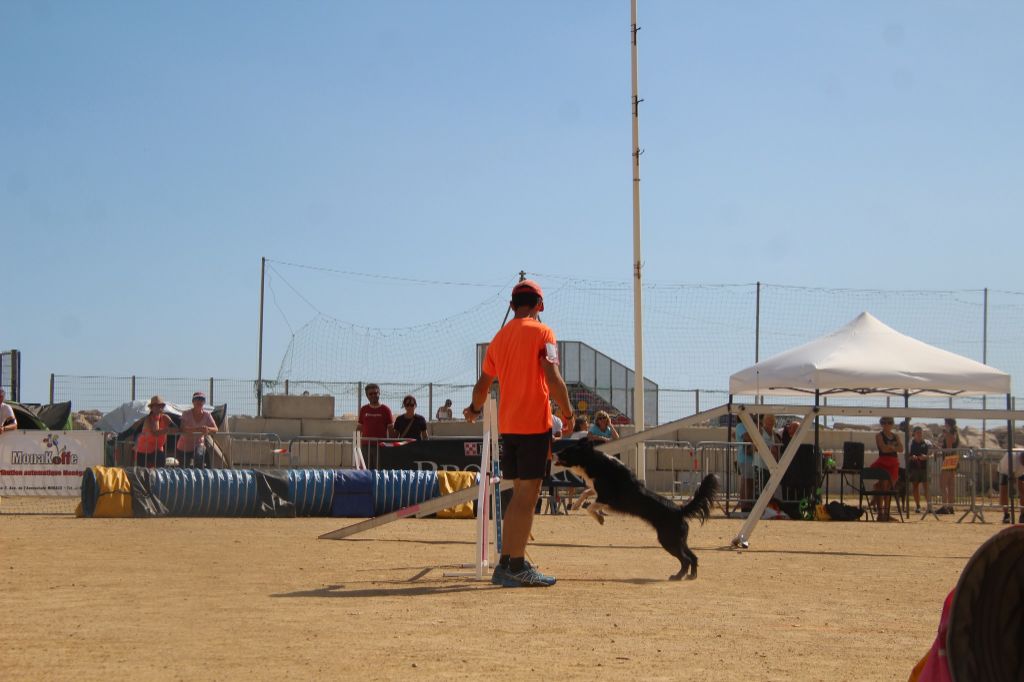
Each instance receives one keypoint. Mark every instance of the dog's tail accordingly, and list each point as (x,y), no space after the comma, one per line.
(700,506)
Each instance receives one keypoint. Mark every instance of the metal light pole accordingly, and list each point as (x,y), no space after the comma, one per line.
(638,330)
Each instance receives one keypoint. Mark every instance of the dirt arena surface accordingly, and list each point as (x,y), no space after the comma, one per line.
(183,599)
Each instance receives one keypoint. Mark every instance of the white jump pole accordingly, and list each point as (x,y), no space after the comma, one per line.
(488,453)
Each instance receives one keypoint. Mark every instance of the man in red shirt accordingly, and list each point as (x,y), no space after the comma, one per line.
(375,420)
(523,357)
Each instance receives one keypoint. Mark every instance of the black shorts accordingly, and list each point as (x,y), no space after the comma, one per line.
(525,456)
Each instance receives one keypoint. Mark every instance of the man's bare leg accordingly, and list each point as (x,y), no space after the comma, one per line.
(518,519)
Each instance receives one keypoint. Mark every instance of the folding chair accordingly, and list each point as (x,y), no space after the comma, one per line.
(870,476)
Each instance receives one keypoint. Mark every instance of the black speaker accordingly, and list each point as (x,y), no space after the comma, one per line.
(804,471)
(853,455)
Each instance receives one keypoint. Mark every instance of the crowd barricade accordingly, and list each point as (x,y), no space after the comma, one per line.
(977,481)
(320,452)
(719,458)
(371,448)
(672,467)
(245,450)
(951,468)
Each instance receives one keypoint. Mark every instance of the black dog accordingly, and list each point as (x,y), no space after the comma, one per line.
(617,488)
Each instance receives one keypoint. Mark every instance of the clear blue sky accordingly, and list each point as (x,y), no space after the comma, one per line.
(152,152)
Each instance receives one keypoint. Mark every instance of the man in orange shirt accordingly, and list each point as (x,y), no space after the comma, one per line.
(523,357)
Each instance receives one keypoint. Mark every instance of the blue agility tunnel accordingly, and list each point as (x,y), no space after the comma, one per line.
(262,493)
(397,488)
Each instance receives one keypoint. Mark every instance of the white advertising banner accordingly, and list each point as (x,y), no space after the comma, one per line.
(47,462)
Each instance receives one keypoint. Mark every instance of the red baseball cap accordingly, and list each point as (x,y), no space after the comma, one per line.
(527,285)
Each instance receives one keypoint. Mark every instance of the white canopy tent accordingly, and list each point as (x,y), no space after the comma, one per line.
(864,356)
(867,356)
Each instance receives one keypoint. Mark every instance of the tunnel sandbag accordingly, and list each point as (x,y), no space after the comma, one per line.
(312,491)
(353,493)
(397,488)
(986,622)
(272,494)
(145,504)
(452,481)
(106,493)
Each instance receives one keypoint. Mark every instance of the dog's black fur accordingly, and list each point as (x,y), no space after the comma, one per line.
(617,488)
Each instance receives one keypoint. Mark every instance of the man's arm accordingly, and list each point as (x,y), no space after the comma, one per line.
(560,393)
(476,404)
(392,433)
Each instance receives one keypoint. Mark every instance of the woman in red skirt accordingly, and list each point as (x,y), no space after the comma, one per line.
(889,447)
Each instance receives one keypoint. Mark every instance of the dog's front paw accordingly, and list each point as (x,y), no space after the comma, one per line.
(597,516)
(677,576)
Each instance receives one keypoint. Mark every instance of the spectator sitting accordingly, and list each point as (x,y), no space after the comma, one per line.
(8,422)
(889,447)
(788,432)
(150,448)
(444,413)
(602,430)
(196,424)
(581,429)
(556,423)
(917,466)
(410,424)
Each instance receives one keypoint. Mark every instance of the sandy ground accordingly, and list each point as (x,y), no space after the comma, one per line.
(264,599)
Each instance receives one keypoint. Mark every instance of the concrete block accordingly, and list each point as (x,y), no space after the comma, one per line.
(330,428)
(321,454)
(457,428)
(285,428)
(244,452)
(660,481)
(674,459)
(298,406)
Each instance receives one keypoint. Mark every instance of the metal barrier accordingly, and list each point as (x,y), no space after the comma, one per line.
(673,467)
(719,458)
(248,450)
(320,452)
(224,450)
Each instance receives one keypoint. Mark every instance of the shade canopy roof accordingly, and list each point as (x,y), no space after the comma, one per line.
(867,356)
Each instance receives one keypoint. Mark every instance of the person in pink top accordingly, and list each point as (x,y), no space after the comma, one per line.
(196,424)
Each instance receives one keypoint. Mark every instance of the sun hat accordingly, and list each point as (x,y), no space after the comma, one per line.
(198,395)
(156,400)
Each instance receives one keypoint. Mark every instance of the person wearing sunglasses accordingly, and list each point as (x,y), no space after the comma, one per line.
(410,424)
(150,448)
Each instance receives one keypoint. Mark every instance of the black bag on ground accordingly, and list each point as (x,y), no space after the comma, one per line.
(843,512)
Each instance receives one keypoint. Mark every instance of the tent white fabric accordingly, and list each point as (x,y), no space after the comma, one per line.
(867,356)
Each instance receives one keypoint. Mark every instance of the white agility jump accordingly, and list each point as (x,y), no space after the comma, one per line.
(487,494)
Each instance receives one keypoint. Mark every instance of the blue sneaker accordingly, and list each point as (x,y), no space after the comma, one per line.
(528,577)
(499,575)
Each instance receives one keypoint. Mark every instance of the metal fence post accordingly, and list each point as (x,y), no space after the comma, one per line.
(696,400)
(211,391)
(430,400)
(51,388)
(133,387)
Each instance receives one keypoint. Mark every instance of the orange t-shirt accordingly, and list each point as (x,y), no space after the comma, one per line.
(514,356)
